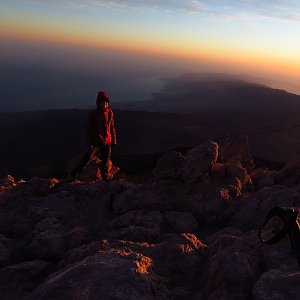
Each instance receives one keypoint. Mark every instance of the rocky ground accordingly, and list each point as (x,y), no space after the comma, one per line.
(188,232)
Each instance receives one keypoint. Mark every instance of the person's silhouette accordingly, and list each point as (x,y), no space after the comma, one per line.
(101,136)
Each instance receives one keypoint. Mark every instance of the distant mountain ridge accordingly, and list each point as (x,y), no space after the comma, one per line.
(197,92)
(190,109)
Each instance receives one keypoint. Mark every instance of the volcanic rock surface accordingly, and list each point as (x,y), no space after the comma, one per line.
(188,232)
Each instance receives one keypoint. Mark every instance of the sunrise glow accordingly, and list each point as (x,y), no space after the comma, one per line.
(258,38)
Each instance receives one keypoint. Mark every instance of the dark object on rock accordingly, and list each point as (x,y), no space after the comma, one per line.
(272,231)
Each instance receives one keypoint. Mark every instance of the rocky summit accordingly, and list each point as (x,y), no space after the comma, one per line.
(190,231)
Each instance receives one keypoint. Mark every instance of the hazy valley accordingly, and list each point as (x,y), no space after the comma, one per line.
(189,110)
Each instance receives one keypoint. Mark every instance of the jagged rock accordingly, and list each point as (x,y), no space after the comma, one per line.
(108,274)
(159,195)
(178,258)
(181,221)
(236,149)
(79,253)
(262,177)
(233,266)
(125,200)
(54,220)
(47,224)
(169,166)
(48,245)
(6,250)
(135,226)
(231,180)
(278,255)
(290,174)
(277,284)
(236,170)
(218,171)
(250,211)
(39,186)
(49,242)
(175,261)
(235,189)
(17,280)
(76,237)
(13,217)
(71,203)
(92,171)
(7,181)
(210,207)
(227,232)
(199,162)
(39,213)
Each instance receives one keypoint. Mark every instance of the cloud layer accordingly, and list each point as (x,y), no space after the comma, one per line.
(279,9)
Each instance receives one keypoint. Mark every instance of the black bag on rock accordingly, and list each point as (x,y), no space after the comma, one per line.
(279,222)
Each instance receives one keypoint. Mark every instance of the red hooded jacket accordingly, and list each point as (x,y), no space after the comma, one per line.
(101,128)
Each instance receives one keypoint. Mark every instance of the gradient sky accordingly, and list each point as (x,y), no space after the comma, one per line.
(146,40)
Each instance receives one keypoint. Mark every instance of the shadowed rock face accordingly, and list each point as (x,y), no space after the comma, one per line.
(189,232)
(280,284)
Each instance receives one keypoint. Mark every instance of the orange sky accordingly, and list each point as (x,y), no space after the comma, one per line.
(254,44)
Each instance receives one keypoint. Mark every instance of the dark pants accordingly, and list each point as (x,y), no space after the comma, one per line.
(105,151)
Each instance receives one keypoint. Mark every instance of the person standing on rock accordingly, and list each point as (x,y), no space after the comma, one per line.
(101,136)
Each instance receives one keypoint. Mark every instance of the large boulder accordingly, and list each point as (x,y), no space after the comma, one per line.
(199,162)
(262,177)
(108,274)
(159,195)
(210,206)
(236,170)
(169,166)
(127,270)
(278,255)
(38,187)
(49,242)
(236,149)
(92,171)
(6,250)
(17,280)
(124,240)
(290,174)
(238,179)
(77,236)
(181,221)
(135,226)
(277,284)
(250,211)
(79,253)
(233,266)
(178,258)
